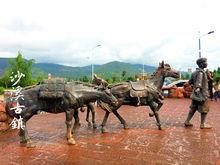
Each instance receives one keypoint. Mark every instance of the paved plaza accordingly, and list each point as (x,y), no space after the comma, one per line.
(142,143)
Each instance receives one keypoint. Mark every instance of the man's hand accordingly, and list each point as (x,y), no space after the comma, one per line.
(197,90)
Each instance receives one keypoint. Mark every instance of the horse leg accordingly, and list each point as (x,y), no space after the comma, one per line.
(23,133)
(91,107)
(87,116)
(76,123)
(24,138)
(103,129)
(115,112)
(159,105)
(155,113)
(69,124)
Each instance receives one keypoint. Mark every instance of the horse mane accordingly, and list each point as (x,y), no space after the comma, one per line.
(81,83)
(115,85)
(29,87)
(154,73)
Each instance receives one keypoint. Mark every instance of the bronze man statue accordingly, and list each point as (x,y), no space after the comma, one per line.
(200,94)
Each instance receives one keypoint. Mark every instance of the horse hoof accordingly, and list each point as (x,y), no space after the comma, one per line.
(89,124)
(71,141)
(159,127)
(104,130)
(151,114)
(126,126)
(94,126)
(28,145)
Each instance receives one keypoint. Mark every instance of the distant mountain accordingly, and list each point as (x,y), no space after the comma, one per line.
(3,65)
(110,69)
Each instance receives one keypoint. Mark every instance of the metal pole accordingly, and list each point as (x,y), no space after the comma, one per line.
(199,46)
(92,71)
(200,52)
(92,63)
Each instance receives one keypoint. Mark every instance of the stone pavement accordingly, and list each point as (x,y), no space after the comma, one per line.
(142,143)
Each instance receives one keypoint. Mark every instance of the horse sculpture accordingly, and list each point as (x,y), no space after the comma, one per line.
(144,92)
(74,97)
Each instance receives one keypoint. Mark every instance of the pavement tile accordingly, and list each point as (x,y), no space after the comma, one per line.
(142,143)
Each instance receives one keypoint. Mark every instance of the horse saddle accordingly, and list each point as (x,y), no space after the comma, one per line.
(138,89)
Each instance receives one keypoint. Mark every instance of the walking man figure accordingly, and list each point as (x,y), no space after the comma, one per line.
(199,96)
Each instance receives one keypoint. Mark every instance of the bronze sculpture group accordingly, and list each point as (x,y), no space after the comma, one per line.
(72,96)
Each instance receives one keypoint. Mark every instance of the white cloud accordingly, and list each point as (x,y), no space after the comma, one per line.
(136,31)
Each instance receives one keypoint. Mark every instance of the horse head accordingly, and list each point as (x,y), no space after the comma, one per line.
(109,98)
(166,71)
(163,71)
(101,83)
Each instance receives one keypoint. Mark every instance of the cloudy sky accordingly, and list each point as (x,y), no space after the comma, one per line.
(135,31)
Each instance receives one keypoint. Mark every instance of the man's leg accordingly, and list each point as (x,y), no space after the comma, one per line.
(203,124)
(189,117)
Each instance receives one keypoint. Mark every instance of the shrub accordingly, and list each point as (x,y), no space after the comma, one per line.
(1,90)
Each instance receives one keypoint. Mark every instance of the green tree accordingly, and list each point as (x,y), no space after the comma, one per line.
(185,76)
(216,74)
(5,79)
(85,79)
(23,66)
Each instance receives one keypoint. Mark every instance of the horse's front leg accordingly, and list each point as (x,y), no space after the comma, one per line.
(154,108)
(103,129)
(23,133)
(24,138)
(69,124)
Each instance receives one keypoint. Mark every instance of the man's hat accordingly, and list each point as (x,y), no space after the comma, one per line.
(201,60)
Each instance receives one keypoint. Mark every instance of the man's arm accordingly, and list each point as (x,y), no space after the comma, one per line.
(198,83)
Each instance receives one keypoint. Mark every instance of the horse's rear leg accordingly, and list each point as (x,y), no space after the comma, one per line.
(69,124)
(76,123)
(120,118)
(158,106)
(155,113)
(87,117)
(90,108)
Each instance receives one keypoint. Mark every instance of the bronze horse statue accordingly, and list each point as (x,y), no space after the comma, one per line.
(74,97)
(144,92)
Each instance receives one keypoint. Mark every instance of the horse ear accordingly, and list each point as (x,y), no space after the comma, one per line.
(162,64)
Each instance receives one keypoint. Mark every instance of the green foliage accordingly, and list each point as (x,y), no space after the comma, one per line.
(131,78)
(185,76)
(216,75)
(24,67)
(84,79)
(1,90)
(18,65)
(5,79)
